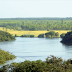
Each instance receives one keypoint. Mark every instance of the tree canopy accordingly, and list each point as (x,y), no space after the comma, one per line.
(5,36)
(67,39)
(50,34)
(37,23)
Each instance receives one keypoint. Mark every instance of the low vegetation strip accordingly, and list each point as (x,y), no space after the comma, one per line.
(52,64)
(35,33)
(5,56)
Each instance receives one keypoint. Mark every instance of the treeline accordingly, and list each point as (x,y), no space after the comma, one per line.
(37,23)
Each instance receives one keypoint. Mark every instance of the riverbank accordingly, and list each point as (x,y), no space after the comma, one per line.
(5,56)
(35,33)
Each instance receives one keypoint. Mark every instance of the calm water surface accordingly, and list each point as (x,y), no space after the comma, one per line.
(36,48)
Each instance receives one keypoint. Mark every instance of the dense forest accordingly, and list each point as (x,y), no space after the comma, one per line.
(37,23)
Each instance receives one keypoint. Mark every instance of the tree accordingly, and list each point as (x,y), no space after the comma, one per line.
(56,34)
(67,39)
(41,35)
(62,35)
(52,33)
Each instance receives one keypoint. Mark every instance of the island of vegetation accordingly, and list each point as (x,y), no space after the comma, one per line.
(52,64)
(5,36)
(50,34)
(67,39)
(5,56)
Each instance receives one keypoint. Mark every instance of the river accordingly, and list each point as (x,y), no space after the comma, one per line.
(36,48)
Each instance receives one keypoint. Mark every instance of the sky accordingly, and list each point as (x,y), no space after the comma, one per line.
(35,8)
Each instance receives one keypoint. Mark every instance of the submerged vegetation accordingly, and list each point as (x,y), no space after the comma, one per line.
(5,56)
(52,64)
(5,36)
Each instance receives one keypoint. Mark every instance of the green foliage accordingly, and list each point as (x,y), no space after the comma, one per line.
(41,35)
(56,34)
(62,35)
(50,34)
(37,23)
(52,64)
(16,35)
(67,39)
(5,56)
(5,36)
(27,36)
(31,35)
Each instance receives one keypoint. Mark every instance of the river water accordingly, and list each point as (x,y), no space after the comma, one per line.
(36,49)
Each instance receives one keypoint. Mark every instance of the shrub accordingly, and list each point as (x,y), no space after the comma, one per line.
(16,35)
(56,34)
(41,35)
(25,36)
(62,35)
(67,39)
(31,35)
(52,33)
(5,36)
(48,36)
(4,56)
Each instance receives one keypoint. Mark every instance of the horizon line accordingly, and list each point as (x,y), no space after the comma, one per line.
(37,17)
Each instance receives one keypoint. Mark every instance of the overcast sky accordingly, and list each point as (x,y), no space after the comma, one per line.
(35,8)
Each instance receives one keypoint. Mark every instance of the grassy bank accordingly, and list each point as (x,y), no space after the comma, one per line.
(35,33)
(5,56)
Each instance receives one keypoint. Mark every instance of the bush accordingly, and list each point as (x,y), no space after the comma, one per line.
(24,36)
(27,36)
(31,35)
(5,36)
(62,35)
(16,35)
(56,34)
(48,36)
(51,33)
(41,35)
(67,39)
(4,56)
